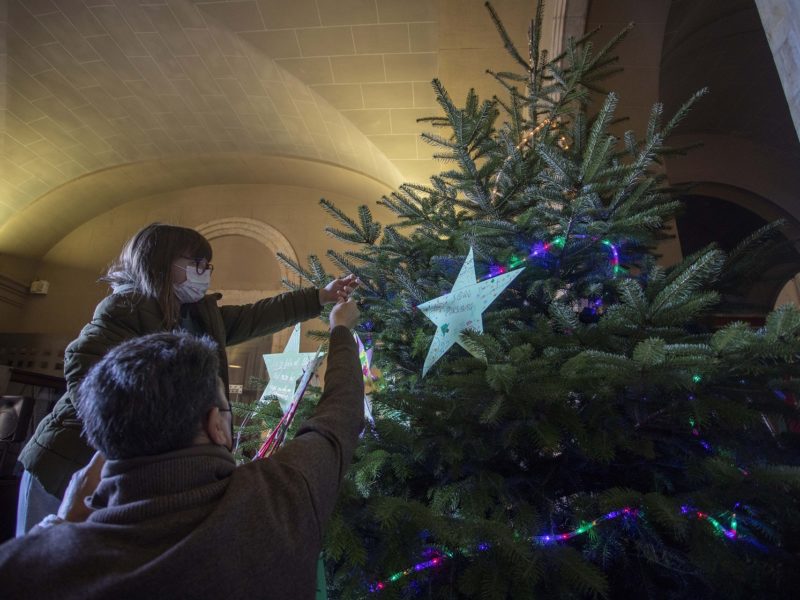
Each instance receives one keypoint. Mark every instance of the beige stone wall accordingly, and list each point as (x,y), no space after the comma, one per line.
(246,268)
(74,292)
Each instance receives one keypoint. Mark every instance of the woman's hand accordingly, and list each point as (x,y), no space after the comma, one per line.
(338,289)
(83,483)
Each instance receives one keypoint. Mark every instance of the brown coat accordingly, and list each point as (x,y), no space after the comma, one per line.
(190,524)
(57,448)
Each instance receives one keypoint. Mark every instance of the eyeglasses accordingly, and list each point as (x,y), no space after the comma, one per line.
(201,265)
(230,410)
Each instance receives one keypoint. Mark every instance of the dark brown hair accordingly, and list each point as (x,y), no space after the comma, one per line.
(145,263)
(149,395)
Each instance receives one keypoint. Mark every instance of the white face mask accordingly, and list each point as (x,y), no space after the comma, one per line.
(195,286)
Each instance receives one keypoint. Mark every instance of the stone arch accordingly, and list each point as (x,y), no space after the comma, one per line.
(263,233)
(775,278)
(270,238)
(35,229)
(754,175)
(752,201)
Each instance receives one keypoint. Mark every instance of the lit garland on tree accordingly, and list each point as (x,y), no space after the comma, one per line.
(440,559)
(444,554)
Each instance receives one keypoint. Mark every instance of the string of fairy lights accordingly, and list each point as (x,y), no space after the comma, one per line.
(526,139)
(436,557)
(539,249)
(441,556)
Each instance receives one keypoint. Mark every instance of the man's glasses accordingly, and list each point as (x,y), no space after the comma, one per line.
(201,265)
(230,410)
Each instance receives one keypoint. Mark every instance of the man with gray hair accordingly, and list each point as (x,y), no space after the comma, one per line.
(172,515)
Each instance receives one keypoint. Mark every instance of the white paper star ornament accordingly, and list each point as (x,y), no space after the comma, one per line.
(285,369)
(461,309)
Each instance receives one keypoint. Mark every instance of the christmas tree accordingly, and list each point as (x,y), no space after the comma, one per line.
(552,416)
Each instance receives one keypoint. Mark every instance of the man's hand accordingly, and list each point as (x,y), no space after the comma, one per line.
(338,289)
(83,483)
(345,313)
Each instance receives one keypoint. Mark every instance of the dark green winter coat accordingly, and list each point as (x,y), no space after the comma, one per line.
(57,448)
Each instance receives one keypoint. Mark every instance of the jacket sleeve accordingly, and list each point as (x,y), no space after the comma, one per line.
(269,315)
(323,447)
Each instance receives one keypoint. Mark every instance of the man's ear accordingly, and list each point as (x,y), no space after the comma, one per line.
(217,429)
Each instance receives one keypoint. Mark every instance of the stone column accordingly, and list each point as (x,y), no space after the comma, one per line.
(3,73)
(781,20)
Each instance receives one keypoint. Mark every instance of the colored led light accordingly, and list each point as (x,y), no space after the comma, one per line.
(539,249)
(708,447)
(730,533)
(514,262)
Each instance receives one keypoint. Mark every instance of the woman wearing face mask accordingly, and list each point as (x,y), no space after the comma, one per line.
(159,283)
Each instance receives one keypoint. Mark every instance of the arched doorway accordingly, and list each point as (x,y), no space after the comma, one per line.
(790,292)
(707,219)
(245,253)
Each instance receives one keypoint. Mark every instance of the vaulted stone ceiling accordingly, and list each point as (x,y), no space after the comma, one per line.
(109,100)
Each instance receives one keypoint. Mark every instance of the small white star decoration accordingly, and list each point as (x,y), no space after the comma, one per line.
(285,369)
(461,309)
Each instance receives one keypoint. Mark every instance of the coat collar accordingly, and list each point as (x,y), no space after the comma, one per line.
(146,486)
